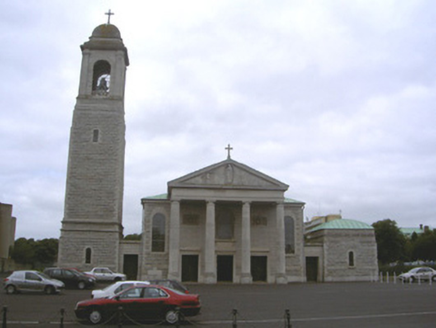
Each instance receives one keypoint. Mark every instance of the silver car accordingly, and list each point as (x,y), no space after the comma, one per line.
(31,280)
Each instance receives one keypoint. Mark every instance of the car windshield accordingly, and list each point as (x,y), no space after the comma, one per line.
(414,270)
(43,275)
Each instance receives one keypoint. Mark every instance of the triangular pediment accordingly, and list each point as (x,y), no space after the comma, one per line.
(228,174)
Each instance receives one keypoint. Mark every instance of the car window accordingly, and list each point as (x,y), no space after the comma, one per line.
(153,292)
(68,274)
(131,293)
(122,287)
(105,271)
(32,276)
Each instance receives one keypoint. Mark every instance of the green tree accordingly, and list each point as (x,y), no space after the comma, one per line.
(134,236)
(35,253)
(391,243)
(24,251)
(424,246)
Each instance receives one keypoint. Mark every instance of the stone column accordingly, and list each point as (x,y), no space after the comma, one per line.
(174,242)
(209,247)
(246,277)
(280,251)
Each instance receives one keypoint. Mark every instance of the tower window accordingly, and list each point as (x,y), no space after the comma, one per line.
(158,233)
(101,78)
(95,135)
(351,259)
(88,254)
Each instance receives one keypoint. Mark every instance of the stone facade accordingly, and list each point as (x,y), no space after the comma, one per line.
(226,220)
(92,224)
(7,234)
(345,253)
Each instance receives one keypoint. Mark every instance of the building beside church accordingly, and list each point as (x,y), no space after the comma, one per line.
(7,234)
(223,223)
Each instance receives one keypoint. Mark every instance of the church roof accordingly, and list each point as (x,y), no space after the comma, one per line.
(342,224)
(228,174)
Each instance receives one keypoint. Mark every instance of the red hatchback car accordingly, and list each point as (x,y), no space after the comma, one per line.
(141,304)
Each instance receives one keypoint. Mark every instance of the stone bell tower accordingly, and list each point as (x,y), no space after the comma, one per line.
(92,224)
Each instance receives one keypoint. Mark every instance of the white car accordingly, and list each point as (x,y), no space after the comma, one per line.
(105,274)
(115,288)
(418,274)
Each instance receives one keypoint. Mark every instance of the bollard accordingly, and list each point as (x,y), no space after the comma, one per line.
(234,313)
(178,317)
(387,277)
(288,319)
(5,309)
(62,318)
(381,277)
(395,278)
(120,317)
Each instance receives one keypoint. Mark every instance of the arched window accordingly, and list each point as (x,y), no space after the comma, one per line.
(158,233)
(351,259)
(225,225)
(101,78)
(289,235)
(88,253)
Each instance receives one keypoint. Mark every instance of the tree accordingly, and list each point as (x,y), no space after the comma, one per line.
(35,253)
(391,242)
(424,246)
(134,236)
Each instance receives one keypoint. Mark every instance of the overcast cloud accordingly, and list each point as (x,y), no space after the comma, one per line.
(335,98)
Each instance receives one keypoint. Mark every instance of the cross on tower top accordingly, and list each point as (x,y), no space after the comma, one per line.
(109,14)
(228,148)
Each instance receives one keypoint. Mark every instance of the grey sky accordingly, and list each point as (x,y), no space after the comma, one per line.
(335,98)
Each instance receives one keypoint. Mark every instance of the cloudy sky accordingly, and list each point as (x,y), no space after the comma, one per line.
(335,98)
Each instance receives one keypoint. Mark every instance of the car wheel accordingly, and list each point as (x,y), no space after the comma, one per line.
(172,316)
(81,285)
(95,317)
(434,278)
(11,289)
(412,279)
(49,290)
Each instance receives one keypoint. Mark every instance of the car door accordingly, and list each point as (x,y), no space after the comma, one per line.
(130,300)
(32,282)
(69,278)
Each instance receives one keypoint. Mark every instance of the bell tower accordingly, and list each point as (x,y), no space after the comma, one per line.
(92,224)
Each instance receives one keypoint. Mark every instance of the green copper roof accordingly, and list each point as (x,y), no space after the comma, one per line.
(290,200)
(161,196)
(343,224)
(410,231)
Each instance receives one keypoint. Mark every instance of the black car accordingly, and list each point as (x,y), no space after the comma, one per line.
(71,278)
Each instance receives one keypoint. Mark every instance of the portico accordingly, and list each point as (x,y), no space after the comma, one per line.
(224,216)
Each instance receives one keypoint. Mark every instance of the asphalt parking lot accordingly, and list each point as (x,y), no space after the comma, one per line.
(310,305)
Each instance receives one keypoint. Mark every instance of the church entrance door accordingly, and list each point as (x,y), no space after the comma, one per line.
(259,268)
(312,269)
(224,268)
(130,266)
(190,268)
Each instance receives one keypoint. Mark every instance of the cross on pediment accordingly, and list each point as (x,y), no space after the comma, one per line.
(109,14)
(228,148)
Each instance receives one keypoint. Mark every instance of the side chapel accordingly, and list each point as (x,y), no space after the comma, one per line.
(224,223)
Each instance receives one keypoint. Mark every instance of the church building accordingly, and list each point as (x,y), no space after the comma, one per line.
(223,223)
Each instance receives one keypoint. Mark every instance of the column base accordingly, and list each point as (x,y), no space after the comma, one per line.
(174,276)
(281,278)
(246,278)
(210,278)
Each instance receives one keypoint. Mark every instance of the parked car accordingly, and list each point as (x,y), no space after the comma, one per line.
(31,280)
(105,274)
(116,288)
(71,277)
(174,284)
(418,274)
(140,303)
